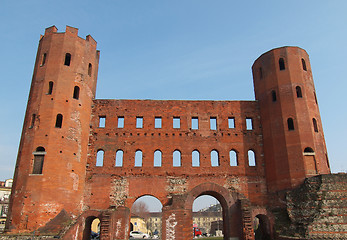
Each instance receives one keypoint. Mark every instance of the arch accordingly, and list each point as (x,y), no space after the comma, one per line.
(214,158)
(90,67)
(308,150)
(100,158)
(67,60)
(290,123)
(273,95)
(251,158)
(233,158)
(119,158)
(281,64)
(39,156)
(138,158)
(59,121)
(176,158)
(298,92)
(195,158)
(315,125)
(76,92)
(50,88)
(303,64)
(262,227)
(157,161)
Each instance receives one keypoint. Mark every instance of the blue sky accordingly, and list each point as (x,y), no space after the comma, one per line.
(191,49)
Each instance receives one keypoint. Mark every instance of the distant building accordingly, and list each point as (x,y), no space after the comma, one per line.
(138,223)
(5,192)
(154,223)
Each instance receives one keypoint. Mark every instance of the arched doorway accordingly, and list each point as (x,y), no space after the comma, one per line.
(92,228)
(262,229)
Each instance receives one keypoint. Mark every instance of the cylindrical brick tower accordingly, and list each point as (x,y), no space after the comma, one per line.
(294,145)
(50,169)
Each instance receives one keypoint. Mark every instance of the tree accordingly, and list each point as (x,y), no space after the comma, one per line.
(140,209)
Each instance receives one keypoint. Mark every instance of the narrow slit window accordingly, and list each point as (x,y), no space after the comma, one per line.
(39,156)
(315,97)
(303,64)
(99,158)
(214,158)
(233,158)
(290,123)
(102,121)
(176,158)
(249,124)
(50,88)
(176,122)
(119,158)
(33,117)
(59,121)
(260,73)
(90,69)
(231,122)
(195,158)
(251,158)
(315,126)
(139,122)
(120,123)
(298,92)
(157,122)
(67,59)
(213,123)
(281,64)
(157,158)
(138,158)
(76,92)
(195,123)
(43,59)
(274,97)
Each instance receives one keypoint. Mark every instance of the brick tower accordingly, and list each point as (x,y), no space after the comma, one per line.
(294,146)
(50,169)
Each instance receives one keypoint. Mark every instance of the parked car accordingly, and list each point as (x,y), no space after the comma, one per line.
(138,234)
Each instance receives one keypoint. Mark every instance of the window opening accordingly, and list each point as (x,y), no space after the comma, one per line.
(214,158)
(119,158)
(139,122)
(213,123)
(157,158)
(195,158)
(195,123)
(251,158)
(157,122)
(59,121)
(176,158)
(102,121)
(281,63)
(231,122)
(303,64)
(260,73)
(315,126)
(176,122)
(138,158)
(249,124)
(233,158)
(50,88)
(315,97)
(32,120)
(290,123)
(67,59)
(308,151)
(39,156)
(100,158)
(298,92)
(90,69)
(76,92)
(273,94)
(43,59)
(120,122)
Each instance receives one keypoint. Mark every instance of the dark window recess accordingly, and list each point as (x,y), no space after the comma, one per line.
(50,88)
(76,92)
(59,121)
(90,67)
(43,59)
(260,73)
(315,126)
(67,59)
(303,64)
(298,92)
(308,150)
(315,97)
(39,156)
(32,120)
(281,64)
(290,123)
(273,95)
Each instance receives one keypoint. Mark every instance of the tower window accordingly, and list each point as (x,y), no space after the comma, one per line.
(251,158)
(315,126)
(139,122)
(39,156)
(157,158)
(231,122)
(50,88)
(249,124)
(119,158)
(214,158)
(90,67)
(176,122)
(273,94)
(120,122)
(157,122)
(102,121)
(213,123)
(59,121)
(303,64)
(260,73)
(290,123)
(33,117)
(308,151)
(281,64)
(43,59)
(176,158)
(100,158)
(138,158)
(76,92)
(298,92)
(233,158)
(195,123)
(195,158)
(67,59)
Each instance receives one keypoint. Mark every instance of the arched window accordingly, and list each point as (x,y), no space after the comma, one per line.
(281,64)
(67,59)
(298,92)
(251,158)
(303,64)
(59,121)
(39,156)
(315,126)
(214,158)
(290,123)
(76,92)
(43,59)
(90,69)
(195,158)
(138,158)
(176,158)
(50,88)
(157,158)
(273,94)
(233,158)
(308,151)
(100,158)
(119,158)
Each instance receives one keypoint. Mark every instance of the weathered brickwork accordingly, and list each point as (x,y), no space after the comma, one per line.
(82,158)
